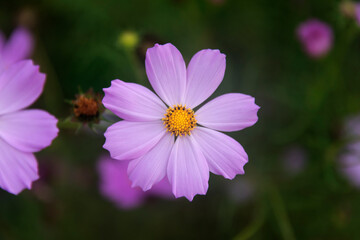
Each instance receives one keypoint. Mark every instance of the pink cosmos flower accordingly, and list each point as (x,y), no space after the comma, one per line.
(18,47)
(165,137)
(22,132)
(116,186)
(316,37)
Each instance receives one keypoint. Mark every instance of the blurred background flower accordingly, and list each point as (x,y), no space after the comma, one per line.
(18,47)
(349,163)
(316,37)
(357,13)
(116,186)
(294,160)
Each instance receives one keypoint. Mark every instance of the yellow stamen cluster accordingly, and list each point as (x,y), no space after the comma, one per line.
(179,120)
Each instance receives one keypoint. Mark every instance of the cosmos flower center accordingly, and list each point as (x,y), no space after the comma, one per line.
(85,107)
(179,120)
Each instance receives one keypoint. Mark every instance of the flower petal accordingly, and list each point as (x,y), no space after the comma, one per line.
(151,167)
(17,169)
(133,102)
(229,112)
(28,130)
(129,140)
(224,155)
(19,46)
(166,70)
(188,171)
(20,85)
(204,74)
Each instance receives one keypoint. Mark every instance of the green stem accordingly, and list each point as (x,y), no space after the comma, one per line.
(254,226)
(280,213)
(67,124)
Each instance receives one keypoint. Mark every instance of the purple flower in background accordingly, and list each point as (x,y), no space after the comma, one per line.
(18,47)
(350,163)
(294,160)
(316,37)
(241,190)
(349,160)
(22,132)
(351,128)
(165,139)
(357,13)
(116,186)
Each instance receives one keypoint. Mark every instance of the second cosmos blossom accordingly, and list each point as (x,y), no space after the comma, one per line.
(165,137)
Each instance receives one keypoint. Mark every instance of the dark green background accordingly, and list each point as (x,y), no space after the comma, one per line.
(303,103)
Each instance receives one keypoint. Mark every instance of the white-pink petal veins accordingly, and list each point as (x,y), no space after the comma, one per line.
(20,85)
(229,112)
(166,70)
(224,155)
(28,130)
(187,171)
(151,167)
(204,74)
(17,169)
(133,102)
(129,140)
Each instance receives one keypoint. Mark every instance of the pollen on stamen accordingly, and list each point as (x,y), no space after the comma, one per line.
(179,120)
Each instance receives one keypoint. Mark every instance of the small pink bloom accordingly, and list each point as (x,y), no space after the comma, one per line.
(164,137)
(22,132)
(116,186)
(18,47)
(316,37)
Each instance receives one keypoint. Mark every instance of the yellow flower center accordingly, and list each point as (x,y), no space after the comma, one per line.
(179,120)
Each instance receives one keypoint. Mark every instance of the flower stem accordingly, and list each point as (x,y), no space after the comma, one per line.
(254,226)
(277,204)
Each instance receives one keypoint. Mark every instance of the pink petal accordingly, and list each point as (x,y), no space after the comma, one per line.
(204,74)
(133,102)
(129,140)
(229,112)
(188,171)
(115,184)
(17,169)
(151,167)
(166,70)
(19,46)
(20,85)
(28,130)
(224,155)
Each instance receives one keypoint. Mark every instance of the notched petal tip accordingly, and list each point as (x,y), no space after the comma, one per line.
(112,83)
(189,197)
(144,189)
(214,51)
